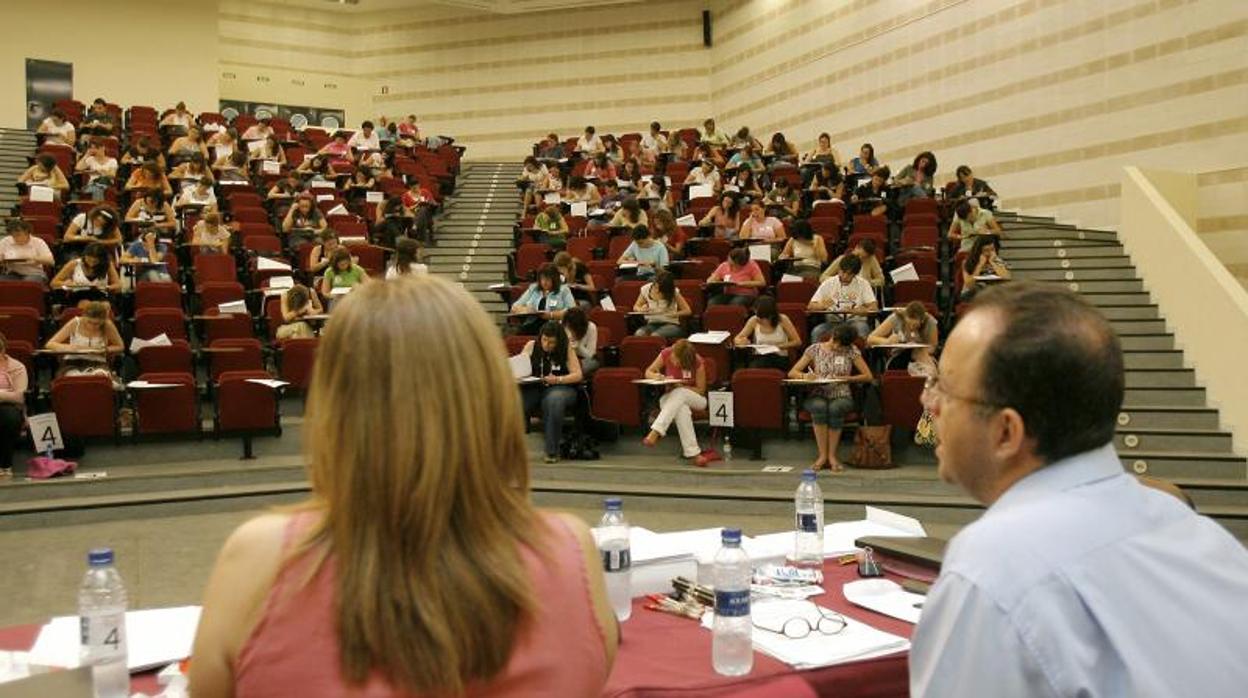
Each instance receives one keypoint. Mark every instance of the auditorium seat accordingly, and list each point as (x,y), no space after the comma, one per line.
(85,406)
(758,403)
(616,398)
(166,410)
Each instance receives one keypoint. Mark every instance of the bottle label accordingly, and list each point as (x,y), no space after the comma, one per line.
(104,634)
(807,523)
(617,560)
(732,604)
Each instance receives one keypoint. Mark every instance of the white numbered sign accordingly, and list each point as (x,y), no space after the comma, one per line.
(45,432)
(720,407)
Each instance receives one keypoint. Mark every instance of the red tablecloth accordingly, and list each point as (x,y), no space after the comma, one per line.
(663,655)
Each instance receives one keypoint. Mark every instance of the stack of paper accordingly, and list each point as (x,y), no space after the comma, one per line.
(233,308)
(521,366)
(154,637)
(281,282)
(905,272)
(713,337)
(856,641)
(885,596)
(687,221)
(160,340)
(268,382)
(699,191)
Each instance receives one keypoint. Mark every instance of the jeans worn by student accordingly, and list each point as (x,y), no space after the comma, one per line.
(554,401)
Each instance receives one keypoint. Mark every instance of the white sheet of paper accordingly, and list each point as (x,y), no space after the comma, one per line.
(321,184)
(340,291)
(521,366)
(160,340)
(255,146)
(790,278)
(269,382)
(701,191)
(233,308)
(266,264)
(353,239)
(760,252)
(38,192)
(764,349)
(324,197)
(857,641)
(374,197)
(598,212)
(905,272)
(497,287)
(606,303)
(580,208)
(628,266)
(885,596)
(551,198)
(144,385)
(687,221)
(338,210)
(281,282)
(154,637)
(712,337)
(271,167)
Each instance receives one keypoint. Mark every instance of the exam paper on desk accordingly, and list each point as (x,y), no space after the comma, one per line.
(154,637)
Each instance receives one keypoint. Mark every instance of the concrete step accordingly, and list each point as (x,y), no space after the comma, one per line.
(1131,312)
(1064,263)
(1145,416)
(1186,397)
(1151,342)
(1138,327)
(1135,360)
(1130,441)
(1118,299)
(1080,275)
(1025,250)
(1160,378)
(1171,464)
(1027,232)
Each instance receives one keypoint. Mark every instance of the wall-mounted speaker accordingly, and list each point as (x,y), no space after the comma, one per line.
(706,28)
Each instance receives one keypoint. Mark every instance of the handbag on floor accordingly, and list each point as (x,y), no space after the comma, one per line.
(873,447)
(925,431)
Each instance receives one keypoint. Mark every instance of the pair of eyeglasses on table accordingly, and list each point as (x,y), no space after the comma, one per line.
(799,627)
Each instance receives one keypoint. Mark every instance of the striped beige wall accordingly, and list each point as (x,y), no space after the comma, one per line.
(1222,217)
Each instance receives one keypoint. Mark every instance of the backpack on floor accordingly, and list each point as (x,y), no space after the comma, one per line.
(578,446)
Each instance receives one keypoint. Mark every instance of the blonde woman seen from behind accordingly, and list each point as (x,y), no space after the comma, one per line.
(419,566)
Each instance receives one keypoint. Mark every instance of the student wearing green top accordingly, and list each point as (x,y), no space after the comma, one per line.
(343,272)
(553,226)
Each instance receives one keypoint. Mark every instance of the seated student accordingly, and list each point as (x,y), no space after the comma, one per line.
(553,226)
(865,163)
(630,175)
(225,139)
(726,217)
(629,215)
(823,152)
(149,177)
(654,143)
(916,180)
(420,204)
(971,222)
(590,143)
(664,306)
(743,277)
(548,298)
(13,385)
(100,170)
(783,200)
(780,150)
(761,227)
(149,256)
(664,229)
(677,149)
(832,356)
(968,185)
(865,252)
(297,303)
(705,173)
(24,257)
(827,184)
(744,138)
(312,577)
(406,260)
(93,333)
(57,129)
(600,168)
(745,185)
(303,222)
(191,144)
(98,121)
(573,271)
(179,117)
(269,151)
(807,250)
(530,179)
(611,148)
(99,225)
(983,260)
(337,149)
(366,138)
(655,193)
(234,168)
(682,363)
(554,360)
(583,336)
(45,172)
(705,152)
(580,189)
(769,327)
(909,325)
(343,272)
(323,251)
(551,148)
(611,198)
(152,209)
(648,254)
(712,138)
(192,169)
(200,196)
(849,296)
(141,152)
(746,159)
(211,235)
(872,196)
(392,221)
(260,130)
(285,188)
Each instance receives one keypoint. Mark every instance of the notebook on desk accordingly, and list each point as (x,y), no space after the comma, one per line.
(925,552)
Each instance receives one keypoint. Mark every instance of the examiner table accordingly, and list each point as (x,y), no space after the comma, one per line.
(664,655)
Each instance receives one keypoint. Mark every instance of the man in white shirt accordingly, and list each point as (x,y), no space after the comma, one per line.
(849,295)
(23,256)
(1077,580)
(653,142)
(366,138)
(589,143)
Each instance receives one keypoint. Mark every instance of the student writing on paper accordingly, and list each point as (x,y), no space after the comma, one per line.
(92,330)
(747,186)
(99,169)
(149,177)
(680,362)
(530,180)
(806,250)
(234,168)
(725,218)
(826,184)
(554,360)
(392,221)
(970,222)
(548,298)
(589,143)
(407,254)
(269,151)
(441,534)
(664,306)
(211,235)
(337,149)
(871,196)
(302,222)
(782,200)
(575,272)
(142,151)
(152,253)
(199,196)
(664,229)
(823,152)
(629,215)
(24,257)
(583,336)
(865,250)
(916,180)
(13,385)
(420,203)
(260,130)
(366,138)
(705,173)
(833,357)
(600,168)
(656,193)
(45,172)
(648,254)
(323,251)
(984,259)
(760,226)
(909,325)
(769,327)
(849,295)
(57,129)
(343,272)
(297,302)
(191,144)
(192,168)
(152,208)
(581,190)
(743,277)
(968,186)
(94,270)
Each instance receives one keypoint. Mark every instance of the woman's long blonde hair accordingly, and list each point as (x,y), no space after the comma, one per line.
(416,456)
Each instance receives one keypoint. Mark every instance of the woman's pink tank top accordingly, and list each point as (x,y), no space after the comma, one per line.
(293,650)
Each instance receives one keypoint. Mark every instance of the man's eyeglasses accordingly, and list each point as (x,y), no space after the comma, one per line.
(934,394)
(798,627)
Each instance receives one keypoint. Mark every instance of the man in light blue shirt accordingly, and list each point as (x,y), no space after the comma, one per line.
(1077,580)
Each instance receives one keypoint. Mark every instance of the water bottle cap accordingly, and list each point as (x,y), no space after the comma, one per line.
(99,557)
(731,536)
(808,474)
(613,504)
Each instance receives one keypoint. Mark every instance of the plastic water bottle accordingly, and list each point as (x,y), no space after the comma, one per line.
(808,523)
(102,618)
(617,563)
(732,648)
(727,449)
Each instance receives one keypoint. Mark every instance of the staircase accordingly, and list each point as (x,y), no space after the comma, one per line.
(474,232)
(15,146)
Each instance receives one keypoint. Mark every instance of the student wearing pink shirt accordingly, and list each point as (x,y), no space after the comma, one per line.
(743,276)
(759,226)
(13,385)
